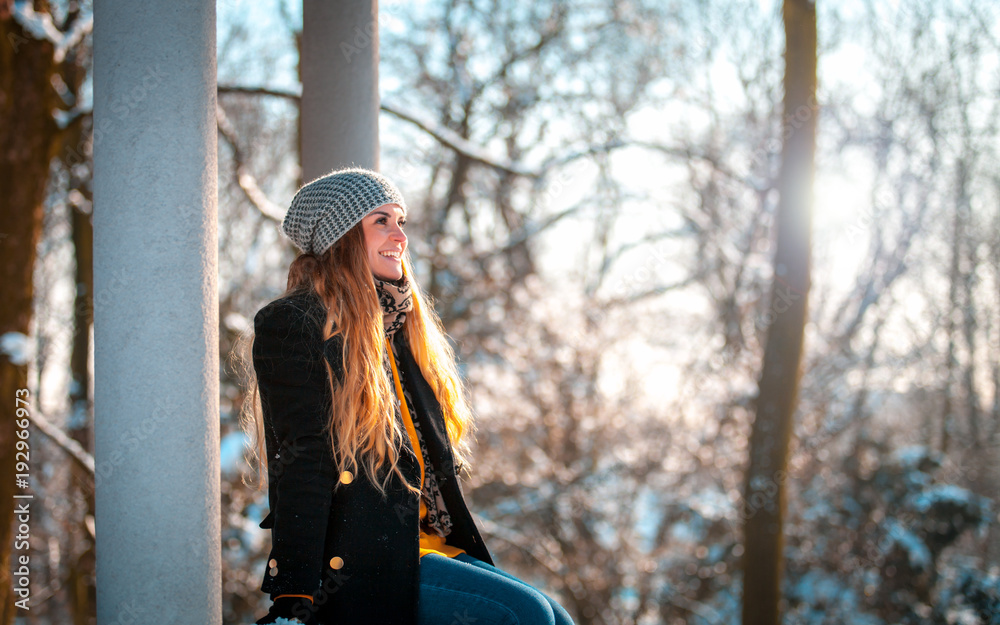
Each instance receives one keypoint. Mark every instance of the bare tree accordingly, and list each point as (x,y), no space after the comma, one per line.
(36,67)
(779,378)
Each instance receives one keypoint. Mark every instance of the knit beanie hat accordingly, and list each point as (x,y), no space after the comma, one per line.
(326,208)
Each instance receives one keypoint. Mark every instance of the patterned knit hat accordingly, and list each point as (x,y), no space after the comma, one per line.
(326,208)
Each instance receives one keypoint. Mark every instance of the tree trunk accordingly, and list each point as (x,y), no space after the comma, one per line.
(82,562)
(28,140)
(779,379)
(970,325)
(995,357)
(949,400)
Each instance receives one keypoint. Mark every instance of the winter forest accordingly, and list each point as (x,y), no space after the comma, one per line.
(596,194)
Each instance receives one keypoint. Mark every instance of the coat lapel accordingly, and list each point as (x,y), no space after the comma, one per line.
(464,534)
(428,409)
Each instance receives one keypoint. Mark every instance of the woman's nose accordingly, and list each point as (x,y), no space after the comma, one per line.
(397,234)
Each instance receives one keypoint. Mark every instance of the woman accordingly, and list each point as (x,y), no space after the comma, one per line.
(360,421)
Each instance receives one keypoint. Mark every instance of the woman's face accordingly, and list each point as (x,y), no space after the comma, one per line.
(385,241)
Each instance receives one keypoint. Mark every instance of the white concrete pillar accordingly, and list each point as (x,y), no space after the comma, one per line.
(340,100)
(156,358)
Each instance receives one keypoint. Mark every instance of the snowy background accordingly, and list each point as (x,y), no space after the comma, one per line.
(592,192)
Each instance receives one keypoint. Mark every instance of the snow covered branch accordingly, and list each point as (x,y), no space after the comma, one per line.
(293,95)
(41,27)
(445,136)
(450,138)
(60,438)
(246,180)
(74,36)
(38,25)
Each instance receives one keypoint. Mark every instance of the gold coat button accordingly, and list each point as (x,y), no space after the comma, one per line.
(336,562)
(272,563)
(273,571)
(346,477)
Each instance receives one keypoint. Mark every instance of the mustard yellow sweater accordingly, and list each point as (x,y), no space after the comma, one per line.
(429,542)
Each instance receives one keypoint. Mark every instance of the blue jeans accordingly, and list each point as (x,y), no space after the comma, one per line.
(463,590)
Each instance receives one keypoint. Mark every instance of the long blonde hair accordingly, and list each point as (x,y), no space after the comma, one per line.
(363,430)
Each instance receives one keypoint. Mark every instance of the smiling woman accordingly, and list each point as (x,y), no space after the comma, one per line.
(359,419)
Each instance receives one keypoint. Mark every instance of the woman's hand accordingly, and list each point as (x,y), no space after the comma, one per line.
(295,609)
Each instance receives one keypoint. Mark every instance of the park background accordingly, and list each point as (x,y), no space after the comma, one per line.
(593,190)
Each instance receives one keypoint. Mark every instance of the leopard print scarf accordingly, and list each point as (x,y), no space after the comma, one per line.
(396,299)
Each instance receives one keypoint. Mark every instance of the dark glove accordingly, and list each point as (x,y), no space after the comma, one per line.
(293,609)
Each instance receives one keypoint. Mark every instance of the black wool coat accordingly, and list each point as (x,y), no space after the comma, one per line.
(335,536)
